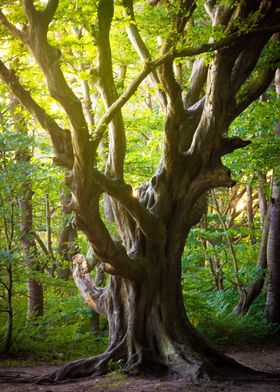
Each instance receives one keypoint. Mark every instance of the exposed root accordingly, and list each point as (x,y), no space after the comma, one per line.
(102,364)
(9,377)
(88,367)
(221,368)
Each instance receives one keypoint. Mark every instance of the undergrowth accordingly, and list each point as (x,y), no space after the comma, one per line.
(63,333)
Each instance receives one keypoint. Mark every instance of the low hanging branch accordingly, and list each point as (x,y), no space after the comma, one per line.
(86,285)
(60,137)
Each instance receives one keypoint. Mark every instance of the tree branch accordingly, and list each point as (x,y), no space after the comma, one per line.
(117,138)
(48,59)
(197,81)
(29,8)
(5,285)
(41,243)
(254,90)
(172,88)
(123,193)
(142,50)
(60,137)
(50,10)
(95,297)
(246,61)
(151,65)
(19,34)
(120,102)
(228,145)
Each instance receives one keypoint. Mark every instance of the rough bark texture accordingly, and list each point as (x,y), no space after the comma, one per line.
(143,303)
(273,256)
(273,246)
(262,198)
(250,213)
(66,246)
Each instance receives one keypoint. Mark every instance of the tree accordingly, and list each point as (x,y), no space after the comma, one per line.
(273,245)
(35,290)
(11,267)
(149,329)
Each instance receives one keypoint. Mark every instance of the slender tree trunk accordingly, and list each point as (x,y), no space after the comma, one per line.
(35,298)
(10,313)
(250,213)
(273,256)
(262,197)
(35,289)
(273,249)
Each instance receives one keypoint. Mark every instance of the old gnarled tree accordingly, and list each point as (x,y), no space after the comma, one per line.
(149,329)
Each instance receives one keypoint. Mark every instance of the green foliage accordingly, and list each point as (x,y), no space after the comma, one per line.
(211,311)
(257,124)
(63,332)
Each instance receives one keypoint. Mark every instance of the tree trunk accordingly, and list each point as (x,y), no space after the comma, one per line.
(35,290)
(273,258)
(66,249)
(262,197)
(273,249)
(250,213)
(10,313)
(35,298)
(149,331)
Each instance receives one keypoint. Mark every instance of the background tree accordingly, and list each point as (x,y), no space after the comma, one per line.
(24,155)
(143,301)
(273,250)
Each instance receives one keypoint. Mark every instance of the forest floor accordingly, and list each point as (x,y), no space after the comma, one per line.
(264,359)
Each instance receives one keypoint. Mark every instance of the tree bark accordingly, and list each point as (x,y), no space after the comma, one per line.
(10,312)
(273,256)
(273,247)
(250,213)
(149,331)
(35,289)
(262,198)
(66,245)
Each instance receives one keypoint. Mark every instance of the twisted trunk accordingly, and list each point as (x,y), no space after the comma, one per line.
(149,330)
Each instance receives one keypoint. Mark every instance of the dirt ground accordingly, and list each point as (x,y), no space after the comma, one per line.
(267,360)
